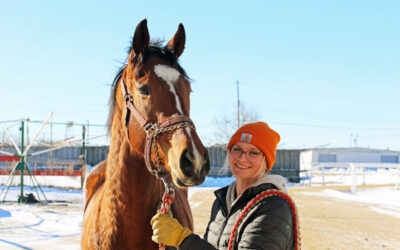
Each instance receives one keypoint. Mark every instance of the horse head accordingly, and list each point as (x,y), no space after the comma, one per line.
(159,91)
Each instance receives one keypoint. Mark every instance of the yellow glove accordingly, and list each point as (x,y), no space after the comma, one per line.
(168,231)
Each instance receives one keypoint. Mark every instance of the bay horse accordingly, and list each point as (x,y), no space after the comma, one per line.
(150,127)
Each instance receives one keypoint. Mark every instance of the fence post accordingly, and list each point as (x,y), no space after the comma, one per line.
(323,176)
(398,176)
(353,178)
(363,175)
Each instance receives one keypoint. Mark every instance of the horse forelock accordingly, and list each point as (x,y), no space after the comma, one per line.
(156,49)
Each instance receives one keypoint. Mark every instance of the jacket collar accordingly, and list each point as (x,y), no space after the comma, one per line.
(246,196)
(220,194)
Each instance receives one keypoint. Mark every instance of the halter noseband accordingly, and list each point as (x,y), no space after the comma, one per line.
(152,131)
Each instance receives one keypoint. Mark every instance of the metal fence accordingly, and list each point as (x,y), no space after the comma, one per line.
(287,161)
(359,173)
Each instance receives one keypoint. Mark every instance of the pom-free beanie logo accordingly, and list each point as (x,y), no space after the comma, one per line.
(246,137)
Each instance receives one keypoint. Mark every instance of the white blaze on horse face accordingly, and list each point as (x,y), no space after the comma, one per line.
(180,142)
(170,76)
(198,163)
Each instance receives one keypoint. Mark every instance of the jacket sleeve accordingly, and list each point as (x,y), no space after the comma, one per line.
(194,242)
(269,227)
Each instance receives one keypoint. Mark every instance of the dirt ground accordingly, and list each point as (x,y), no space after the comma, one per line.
(325,222)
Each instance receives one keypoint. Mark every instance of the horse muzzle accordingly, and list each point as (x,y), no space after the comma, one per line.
(193,167)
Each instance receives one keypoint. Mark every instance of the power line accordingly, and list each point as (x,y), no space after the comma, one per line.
(68,123)
(331,127)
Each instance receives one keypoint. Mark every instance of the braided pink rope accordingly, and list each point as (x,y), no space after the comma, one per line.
(167,199)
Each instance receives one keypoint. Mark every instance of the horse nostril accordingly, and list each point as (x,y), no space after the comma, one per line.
(186,161)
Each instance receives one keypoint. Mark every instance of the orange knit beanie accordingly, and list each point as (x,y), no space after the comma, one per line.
(260,135)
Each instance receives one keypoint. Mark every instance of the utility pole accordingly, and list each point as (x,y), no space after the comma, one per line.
(51,137)
(21,198)
(238,105)
(87,136)
(83,143)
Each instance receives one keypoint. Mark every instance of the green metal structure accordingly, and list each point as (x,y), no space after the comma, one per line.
(22,166)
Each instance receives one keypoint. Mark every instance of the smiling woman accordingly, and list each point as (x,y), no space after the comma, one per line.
(253,212)
(247,164)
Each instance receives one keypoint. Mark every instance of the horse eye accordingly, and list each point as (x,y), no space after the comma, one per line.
(145,90)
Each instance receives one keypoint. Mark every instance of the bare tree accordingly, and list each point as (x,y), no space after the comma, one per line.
(227,123)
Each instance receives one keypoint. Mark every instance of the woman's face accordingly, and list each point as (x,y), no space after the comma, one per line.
(246,161)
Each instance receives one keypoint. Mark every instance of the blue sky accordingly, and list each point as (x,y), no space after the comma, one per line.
(319,72)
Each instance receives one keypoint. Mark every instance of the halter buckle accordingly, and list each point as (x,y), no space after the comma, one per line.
(128,98)
(149,127)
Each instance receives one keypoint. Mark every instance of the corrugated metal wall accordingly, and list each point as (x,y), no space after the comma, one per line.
(96,154)
(217,157)
(287,162)
(65,158)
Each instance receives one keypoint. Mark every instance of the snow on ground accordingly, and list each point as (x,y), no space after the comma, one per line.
(35,226)
(383,200)
(52,181)
(58,224)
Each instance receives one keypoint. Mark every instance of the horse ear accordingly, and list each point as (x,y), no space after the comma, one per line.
(141,38)
(177,43)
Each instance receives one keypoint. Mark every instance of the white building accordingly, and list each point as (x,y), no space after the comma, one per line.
(313,157)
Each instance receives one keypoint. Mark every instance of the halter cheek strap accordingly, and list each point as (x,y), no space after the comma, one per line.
(152,131)
(130,108)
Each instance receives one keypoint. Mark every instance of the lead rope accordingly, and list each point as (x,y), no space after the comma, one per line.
(166,201)
(255,201)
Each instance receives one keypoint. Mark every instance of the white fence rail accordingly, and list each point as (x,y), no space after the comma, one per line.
(355,170)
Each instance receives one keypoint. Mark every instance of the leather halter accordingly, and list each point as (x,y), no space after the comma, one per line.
(152,131)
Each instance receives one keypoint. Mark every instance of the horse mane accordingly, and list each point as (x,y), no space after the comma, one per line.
(155,48)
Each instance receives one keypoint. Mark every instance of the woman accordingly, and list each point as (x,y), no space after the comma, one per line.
(270,224)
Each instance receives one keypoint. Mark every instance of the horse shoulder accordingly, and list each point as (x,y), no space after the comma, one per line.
(94,179)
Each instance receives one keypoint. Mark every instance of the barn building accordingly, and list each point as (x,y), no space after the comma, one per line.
(311,157)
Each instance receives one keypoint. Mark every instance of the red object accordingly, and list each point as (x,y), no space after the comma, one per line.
(167,199)
(258,198)
(9,158)
(46,172)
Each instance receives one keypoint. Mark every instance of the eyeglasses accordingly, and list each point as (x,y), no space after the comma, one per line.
(251,155)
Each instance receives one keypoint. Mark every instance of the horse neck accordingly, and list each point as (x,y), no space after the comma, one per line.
(131,192)
(126,170)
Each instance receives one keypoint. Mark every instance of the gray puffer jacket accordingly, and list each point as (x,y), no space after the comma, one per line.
(269,225)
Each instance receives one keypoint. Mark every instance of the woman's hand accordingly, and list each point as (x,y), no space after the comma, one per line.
(168,231)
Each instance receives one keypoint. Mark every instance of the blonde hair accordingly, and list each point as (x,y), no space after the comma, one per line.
(264,164)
